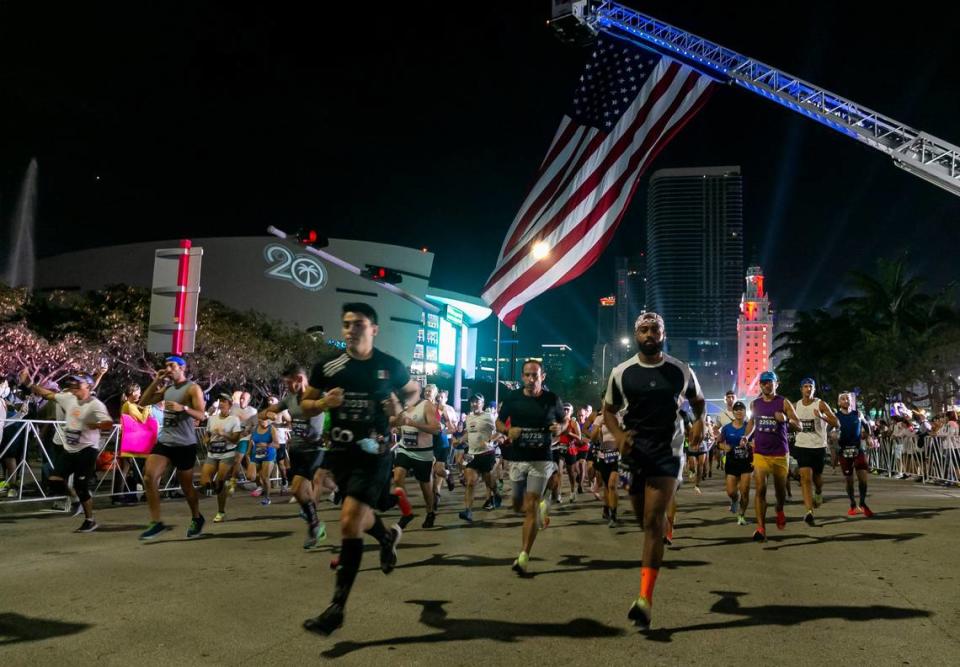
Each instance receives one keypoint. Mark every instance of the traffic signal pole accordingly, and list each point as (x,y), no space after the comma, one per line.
(347,266)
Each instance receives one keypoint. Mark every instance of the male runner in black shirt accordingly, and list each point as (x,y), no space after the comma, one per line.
(649,388)
(362,389)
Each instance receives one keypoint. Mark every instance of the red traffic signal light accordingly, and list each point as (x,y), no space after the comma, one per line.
(311,237)
(381,274)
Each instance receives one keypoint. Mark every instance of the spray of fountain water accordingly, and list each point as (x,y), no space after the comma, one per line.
(21,258)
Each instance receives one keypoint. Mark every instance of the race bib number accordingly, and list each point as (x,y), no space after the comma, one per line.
(611,456)
(767,424)
(807,425)
(300,429)
(850,452)
(410,438)
(218,447)
(357,407)
(261,452)
(170,419)
(72,436)
(531,437)
(741,452)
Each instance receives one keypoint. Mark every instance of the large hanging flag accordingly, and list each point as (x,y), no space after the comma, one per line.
(628,105)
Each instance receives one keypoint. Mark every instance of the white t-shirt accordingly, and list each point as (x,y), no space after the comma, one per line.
(77,434)
(219,444)
(246,416)
(480,430)
(949,433)
(814,433)
(417,444)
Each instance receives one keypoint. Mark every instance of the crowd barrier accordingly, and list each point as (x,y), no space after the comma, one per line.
(29,443)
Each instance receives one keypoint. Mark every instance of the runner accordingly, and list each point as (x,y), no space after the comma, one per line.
(263,454)
(767,428)
(85,418)
(738,464)
(177,443)
(649,388)
(811,445)
(607,465)
(533,414)
(304,447)
(364,388)
(481,441)
(853,429)
(441,441)
(223,432)
(725,417)
(569,441)
(419,426)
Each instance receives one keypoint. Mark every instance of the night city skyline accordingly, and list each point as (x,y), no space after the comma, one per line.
(426,131)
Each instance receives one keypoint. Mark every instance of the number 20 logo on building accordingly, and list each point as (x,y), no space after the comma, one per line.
(302,270)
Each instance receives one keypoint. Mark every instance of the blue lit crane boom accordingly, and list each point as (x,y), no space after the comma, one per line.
(919,153)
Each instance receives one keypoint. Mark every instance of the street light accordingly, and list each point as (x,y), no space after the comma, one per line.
(603,356)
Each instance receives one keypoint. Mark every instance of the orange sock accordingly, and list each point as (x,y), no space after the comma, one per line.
(648,579)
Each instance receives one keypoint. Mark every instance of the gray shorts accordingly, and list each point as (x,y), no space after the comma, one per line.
(217,459)
(534,474)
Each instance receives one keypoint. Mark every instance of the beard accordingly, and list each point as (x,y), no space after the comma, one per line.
(651,348)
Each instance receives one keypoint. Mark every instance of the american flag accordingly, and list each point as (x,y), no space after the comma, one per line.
(628,105)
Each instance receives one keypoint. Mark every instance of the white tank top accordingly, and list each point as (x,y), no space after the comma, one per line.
(414,439)
(814,434)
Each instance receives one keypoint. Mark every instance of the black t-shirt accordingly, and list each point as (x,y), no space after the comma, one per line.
(650,397)
(533,414)
(366,384)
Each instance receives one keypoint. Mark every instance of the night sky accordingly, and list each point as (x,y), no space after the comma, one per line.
(424,123)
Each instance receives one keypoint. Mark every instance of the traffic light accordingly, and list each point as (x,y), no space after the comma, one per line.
(311,237)
(381,274)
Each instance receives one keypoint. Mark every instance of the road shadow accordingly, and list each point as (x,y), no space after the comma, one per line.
(784,615)
(433,615)
(15,629)
(258,535)
(578,563)
(460,560)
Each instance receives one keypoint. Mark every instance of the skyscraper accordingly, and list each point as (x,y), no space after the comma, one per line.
(695,265)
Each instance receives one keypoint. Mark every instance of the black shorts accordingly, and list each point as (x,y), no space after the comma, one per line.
(606,468)
(183,457)
(582,454)
(568,458)
(281,453)
(304,461)
(557,455)
(737,467)
(79,464)
(483,463)
(364,477)
(441,453)
(810,457)
(643,463)
(422,470)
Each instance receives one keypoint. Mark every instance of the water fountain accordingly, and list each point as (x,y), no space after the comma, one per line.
(21,258)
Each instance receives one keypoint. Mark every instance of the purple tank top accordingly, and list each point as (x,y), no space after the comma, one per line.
(770,436)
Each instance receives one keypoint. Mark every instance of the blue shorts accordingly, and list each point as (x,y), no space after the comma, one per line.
(243,446)
(268,456)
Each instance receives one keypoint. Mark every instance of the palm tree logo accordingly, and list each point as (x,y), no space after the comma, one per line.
(308,273)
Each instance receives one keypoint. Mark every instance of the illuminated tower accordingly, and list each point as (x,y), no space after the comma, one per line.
(754,334)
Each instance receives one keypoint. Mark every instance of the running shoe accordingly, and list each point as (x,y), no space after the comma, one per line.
(231,486)
(429,521)
(741,520)
(697,491)
(327,622)
(265,502)
(640,612)
(867,512)
(220,517)
(76,509)
(316,534)
(88,526)
(817,499)
(154,529)
(487,506)
(521,563)
(543,515)
(196,527)
(388,550)
(466,515)
(853,511)
(809,520)
(759,535)
(257,492)
(781,520)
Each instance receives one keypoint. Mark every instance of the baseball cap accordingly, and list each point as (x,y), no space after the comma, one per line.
(648,316)
(180,361)
(768,376)
(809,381)
(78,378)
(739,406)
